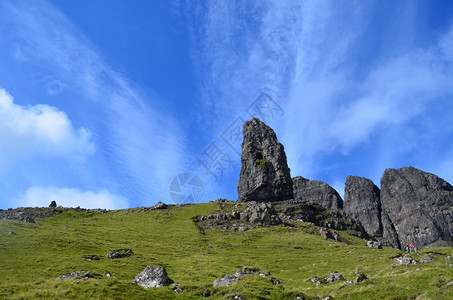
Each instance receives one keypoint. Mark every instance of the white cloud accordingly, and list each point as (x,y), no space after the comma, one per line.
(67,197)
(39,130)
(143,145)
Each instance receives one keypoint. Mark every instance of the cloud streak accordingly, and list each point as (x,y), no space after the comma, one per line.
(141,144)
(342,88)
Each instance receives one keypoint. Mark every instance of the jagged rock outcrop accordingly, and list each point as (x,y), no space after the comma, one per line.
(417,207)
(254,215)
(362,202)
(297,210)
(316,192)
(265,175)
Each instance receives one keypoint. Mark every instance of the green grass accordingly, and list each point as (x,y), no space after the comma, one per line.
(261,162)
(31,260)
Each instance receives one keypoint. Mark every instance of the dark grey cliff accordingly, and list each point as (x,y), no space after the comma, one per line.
(362,202)
(316,192)
(417,207)
(265,175)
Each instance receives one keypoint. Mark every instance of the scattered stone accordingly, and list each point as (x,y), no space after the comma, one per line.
(427,258)
(347,282)
(316,192)
(91,257)
(332,277)
(65,227)
(374,244)
(77,275)
(107,274)
(361,277)
(153,278)
(119,253)
(238,298)
(245,271)
(265,175)
(225,281)
(11,233)
(315,280)
(275,281)
(404,260)
(177,288)
(229,279)
(331,236)
(53,204)
(450,283)
(160,205)
(327,298)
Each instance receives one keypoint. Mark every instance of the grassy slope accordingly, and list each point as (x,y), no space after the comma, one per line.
(31,260)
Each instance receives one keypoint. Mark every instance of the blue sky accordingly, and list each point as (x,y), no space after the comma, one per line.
(120,104)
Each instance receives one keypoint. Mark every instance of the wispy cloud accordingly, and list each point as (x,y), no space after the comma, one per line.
(66,197)
(141,144)
(319,60)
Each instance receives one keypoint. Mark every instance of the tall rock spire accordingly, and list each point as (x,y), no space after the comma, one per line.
(265,175)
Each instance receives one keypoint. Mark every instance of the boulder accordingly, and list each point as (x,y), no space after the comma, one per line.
(404,260)
(374,244)
(417,207)
(316,192)
(119,253)
(362,202)
(53,204)
(160,205)
(360,277)
(264,175)
(153,278)
(225,281)
(427,258)
(76,275)
(229,279)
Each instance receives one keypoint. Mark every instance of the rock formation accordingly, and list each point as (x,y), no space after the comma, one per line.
(362,202)
(265,175)
(316,192)
(417,207)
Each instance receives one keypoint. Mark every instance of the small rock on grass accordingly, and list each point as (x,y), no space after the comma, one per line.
(315,280)
(119,253)
(77,275)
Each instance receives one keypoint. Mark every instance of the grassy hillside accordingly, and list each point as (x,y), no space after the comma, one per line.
(33,258)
